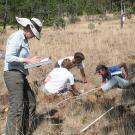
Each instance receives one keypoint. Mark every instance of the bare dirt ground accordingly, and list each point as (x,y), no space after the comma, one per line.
(105,43)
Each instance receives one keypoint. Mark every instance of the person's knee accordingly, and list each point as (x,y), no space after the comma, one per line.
(15,110)
(122,83)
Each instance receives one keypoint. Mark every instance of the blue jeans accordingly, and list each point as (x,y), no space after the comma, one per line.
(115,81)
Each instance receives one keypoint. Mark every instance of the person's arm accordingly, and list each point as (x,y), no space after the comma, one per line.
(103,81)
(73,89)
(83,75)
(30,60)
(124,66)
(47,78)
(13,47)
(81,67)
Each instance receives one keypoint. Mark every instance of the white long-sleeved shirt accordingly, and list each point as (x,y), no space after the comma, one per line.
(17,48)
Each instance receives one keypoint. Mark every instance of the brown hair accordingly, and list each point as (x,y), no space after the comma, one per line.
(66,63)
(27,28)
(79,55)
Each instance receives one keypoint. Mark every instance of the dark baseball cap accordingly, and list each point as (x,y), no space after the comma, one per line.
(99,67)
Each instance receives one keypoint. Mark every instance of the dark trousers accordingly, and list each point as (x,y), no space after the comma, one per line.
(22,104)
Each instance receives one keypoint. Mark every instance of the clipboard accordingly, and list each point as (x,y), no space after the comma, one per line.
(45,61)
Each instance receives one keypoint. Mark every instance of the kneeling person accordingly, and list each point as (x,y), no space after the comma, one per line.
(76,61)
(113,76)
(59,79)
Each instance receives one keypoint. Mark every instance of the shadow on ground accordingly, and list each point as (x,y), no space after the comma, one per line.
(122,118)
(48,116)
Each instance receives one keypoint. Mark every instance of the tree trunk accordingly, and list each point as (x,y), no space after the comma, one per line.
(111,5)
(59,8)
(5,16)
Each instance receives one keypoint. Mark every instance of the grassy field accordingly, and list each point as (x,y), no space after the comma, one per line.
(104,43)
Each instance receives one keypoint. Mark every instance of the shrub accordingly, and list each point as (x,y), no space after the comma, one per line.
(73,19)
(59,23)
(91,26)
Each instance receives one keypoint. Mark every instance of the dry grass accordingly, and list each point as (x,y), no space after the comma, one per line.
(106,43)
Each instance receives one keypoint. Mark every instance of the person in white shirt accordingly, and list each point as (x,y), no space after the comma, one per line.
(76,61)
(60,80)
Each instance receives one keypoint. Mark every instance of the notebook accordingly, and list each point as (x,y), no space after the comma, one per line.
(45,61)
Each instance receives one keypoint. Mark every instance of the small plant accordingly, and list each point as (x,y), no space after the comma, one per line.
(59,23)
(73,19)
(129,13)
(91,26)
(56,127)
(84,119)
(1,30)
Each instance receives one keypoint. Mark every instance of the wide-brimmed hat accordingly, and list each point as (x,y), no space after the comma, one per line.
(34,23)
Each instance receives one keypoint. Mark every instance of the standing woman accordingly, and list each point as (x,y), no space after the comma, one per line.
(22,102)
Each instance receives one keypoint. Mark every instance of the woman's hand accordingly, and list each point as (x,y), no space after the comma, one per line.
(31,60)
